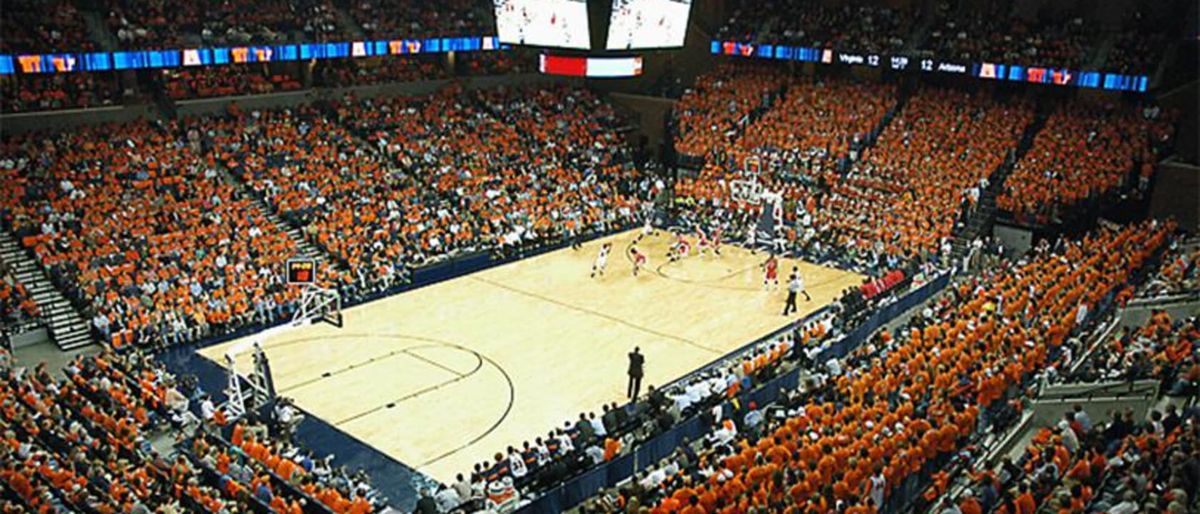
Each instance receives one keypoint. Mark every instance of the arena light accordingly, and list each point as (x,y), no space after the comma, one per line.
(593,67)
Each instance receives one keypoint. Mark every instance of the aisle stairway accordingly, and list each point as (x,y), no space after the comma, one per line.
(68,328)
(306,248)
(979,223)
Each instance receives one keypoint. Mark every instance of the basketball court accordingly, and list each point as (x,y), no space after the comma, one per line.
(447,375)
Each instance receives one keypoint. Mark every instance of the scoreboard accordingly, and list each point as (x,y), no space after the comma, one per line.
(301,271)
(904,63)
(142,59)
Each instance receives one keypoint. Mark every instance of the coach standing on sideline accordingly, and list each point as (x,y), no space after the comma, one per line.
(636,361)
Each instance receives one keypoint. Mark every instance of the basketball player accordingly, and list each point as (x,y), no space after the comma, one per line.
(780,240)
(716,241)
(639,260)
(601,260)
(702,242)
(680,249)
(751,234)
(771,273)
(647,228)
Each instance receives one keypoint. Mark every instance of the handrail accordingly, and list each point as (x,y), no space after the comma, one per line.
(1104,335)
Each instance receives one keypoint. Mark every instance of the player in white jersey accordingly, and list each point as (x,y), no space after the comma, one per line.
(601,260)
(647,228)
(751,236)
(780,245)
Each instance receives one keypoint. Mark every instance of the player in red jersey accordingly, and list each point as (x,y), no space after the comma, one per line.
(770,272)
(639,260)
(680,249)
(716,241)
(702,242)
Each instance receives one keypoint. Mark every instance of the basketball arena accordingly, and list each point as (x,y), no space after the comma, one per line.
(599,256)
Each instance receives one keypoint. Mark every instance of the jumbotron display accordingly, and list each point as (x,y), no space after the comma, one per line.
(641,24)
(553,23)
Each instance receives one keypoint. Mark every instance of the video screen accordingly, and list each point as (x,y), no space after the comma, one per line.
(554,23)
(640,24)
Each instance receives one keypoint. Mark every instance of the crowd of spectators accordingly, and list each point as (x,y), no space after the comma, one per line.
(385,185)
(996,35)
(137,226)
(1180,273)
(392,19)
(16,304)
(851,192)
(1084,152)
(711,113)
(42,26)
(358,72)
(1162,349)
(848,28)
(929,166)
(802,144)
(851,28)
(989,33)
(1118,466)
(82,443)
(248,79)
(862,425)
(162,24)
(28,93)
(497,63)
(1140,46)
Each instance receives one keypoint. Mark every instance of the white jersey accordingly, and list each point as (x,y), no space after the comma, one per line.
(602,257)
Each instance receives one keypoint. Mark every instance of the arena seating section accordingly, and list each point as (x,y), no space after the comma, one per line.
(381,19)
(860,28)
(993,32)
(81,443)
(143,233)
(143,229)
(177,231)
(1160,350)
(858,181)
(910,399)
(15,302)
(61,91)
(160,24)
(720,101)
(224,81)
(1078,467)
(1084,152)
(43,26)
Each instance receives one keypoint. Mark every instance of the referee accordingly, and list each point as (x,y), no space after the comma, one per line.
(795,285)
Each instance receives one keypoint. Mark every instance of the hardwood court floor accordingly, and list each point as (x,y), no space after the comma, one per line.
(446,375)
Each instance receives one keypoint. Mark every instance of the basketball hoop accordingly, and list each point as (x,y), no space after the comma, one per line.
(319,304)
(316,303)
